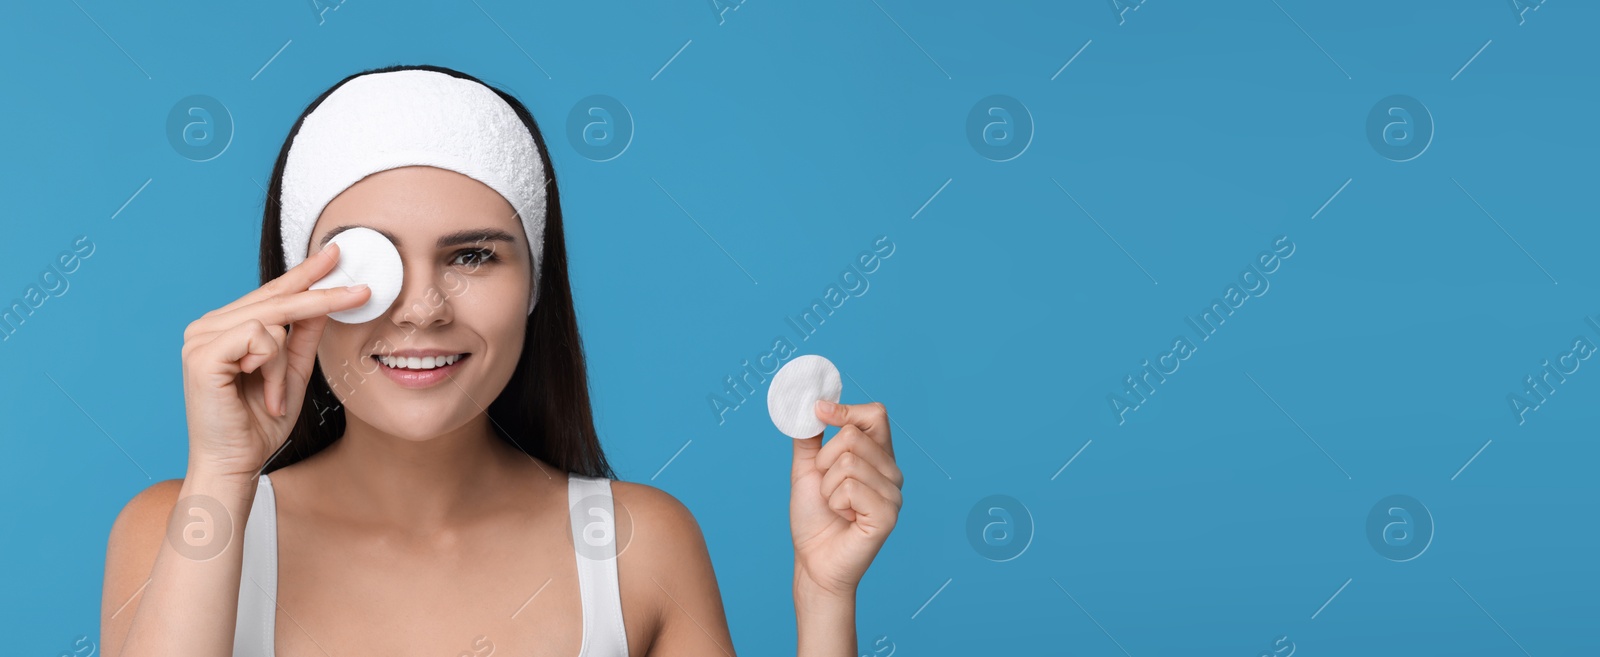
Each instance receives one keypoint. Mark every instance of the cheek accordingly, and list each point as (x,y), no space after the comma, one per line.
(495,305)
(339,341)
(488,306)
(502,326)
(338,354)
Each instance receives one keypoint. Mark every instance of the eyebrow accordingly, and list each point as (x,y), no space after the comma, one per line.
(468,236)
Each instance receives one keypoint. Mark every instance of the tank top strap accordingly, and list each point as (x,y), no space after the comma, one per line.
(258,577)
(594,539)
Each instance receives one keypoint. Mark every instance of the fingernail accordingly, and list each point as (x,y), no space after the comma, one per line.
(825,407)
(357,288)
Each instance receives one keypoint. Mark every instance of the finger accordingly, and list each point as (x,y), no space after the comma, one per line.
(270,366)
(304,336)
(198,340)
(225,355)
(805,456)
(853,467)
(272,373)
(859,503)
(871,418)
(297,279)
(253,362)
(851,440)
(285,310)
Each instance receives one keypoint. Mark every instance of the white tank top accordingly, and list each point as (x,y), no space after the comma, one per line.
(593,535)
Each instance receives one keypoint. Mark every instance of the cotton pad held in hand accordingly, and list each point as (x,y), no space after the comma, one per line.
(365,256)
(795,391)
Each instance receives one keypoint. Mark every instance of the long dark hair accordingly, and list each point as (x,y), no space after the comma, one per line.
(544,410)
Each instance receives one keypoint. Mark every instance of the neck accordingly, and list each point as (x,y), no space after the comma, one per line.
(422,484)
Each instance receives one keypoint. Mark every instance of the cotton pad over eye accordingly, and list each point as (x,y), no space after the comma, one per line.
(794,393)
(365,256)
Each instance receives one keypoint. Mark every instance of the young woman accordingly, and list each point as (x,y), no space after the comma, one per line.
(430,482)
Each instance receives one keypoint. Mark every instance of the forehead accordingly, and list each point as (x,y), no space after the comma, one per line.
(420,201)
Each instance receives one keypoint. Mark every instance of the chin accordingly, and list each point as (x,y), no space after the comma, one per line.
(417,419)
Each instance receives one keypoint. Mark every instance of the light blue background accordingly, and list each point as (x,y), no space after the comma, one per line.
(794,134)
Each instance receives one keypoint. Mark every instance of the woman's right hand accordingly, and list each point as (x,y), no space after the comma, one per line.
(244,374)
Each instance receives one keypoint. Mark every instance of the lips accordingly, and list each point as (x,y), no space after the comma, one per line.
(418,361)
(408,378)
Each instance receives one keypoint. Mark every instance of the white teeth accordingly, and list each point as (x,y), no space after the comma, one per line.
(424,363)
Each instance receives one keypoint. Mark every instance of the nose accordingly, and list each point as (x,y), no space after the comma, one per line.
(422,303)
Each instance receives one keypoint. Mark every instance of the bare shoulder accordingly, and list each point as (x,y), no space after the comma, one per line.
(665,565)
(141,524)
(658,516)
(131,550)
(657,534)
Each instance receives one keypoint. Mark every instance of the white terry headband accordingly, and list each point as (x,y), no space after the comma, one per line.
(382,121)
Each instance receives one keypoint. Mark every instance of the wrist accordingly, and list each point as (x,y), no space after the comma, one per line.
(208,518)
(825,620)
(214,482)
(810,595)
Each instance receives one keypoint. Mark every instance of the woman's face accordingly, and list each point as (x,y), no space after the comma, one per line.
(467,278)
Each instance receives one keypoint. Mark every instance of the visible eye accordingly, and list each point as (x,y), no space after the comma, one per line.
(475,258)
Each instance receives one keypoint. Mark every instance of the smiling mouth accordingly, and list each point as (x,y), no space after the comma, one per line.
(423,372)
(423,364)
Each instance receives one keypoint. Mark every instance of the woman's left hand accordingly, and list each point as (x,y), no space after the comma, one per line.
(844,498)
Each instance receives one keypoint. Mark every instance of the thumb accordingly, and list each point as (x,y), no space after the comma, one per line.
(805,456)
